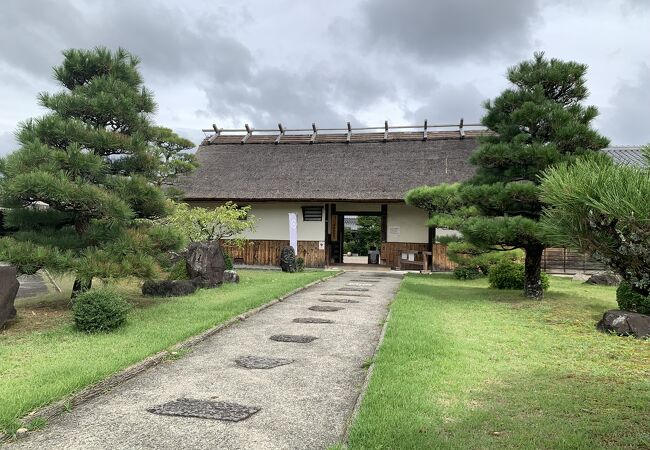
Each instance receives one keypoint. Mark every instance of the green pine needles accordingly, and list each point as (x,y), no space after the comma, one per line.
(82,192)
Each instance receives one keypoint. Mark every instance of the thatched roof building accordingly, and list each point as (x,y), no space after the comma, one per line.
(324,175)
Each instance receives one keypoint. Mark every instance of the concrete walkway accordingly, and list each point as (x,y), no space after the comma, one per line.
(302,405)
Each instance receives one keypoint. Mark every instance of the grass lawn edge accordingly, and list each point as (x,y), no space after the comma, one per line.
(41,415)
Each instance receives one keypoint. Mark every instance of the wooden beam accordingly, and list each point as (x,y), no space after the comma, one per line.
(215,135)
(385,130)
(460,129)
(313,135)
(277,140)
(349,133)
(249,133)
(424,133)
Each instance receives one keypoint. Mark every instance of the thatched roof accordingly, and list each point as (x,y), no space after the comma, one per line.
(368,168)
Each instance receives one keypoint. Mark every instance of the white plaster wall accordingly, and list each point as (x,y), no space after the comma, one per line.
(358,207)
(273,220)
(407,224)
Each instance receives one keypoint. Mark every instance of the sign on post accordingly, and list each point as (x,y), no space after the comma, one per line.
(293,231)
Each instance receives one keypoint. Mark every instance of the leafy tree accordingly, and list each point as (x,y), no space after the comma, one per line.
(602,209)
(227,221)
(79,191)
(537,122)
(367,234)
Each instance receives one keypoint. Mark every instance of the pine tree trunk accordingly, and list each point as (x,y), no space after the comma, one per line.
(532,272)
(80,286)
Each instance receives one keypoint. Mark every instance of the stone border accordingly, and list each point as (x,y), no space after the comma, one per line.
(366,382)
(95,390)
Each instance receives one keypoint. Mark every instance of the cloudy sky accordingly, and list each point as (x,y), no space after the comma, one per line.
(297,62)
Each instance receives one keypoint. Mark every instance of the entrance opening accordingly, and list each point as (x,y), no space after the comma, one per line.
(361,239)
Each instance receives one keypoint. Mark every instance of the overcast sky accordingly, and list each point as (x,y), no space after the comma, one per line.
(298,62)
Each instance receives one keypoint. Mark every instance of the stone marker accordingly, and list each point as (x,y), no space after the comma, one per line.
(261,362)
(625,323)
(298,338)
(205,409)
(312,320)
(205,261)
(8,289)
(325,308)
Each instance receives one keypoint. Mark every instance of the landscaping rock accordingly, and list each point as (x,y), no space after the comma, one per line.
(625,323)
(288,259)
(8,289)
(205,260)
(170,288)
(604,279)
(581,277)
(230,276)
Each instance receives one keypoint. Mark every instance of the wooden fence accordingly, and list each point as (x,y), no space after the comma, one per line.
(554,260)
(267,253)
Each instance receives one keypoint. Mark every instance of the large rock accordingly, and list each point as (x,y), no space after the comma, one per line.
(625,323)
(8,289)
(205,261)
(288,259)
(169,288)
(604,279)
(230,276)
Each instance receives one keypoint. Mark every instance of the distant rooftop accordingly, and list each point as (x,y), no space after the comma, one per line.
(631,155)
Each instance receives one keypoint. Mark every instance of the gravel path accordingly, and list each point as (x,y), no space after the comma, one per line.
(302,404)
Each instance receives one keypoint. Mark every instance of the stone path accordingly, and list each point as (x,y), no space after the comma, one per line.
(263,393)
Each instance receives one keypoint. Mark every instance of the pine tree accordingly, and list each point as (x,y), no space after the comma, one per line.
(538,122)
(80,192)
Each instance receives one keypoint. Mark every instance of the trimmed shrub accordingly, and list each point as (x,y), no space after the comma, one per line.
(178,271)
(300,264)
(510,275)
(467,273)
(99,310)
(228,261)
(628,300)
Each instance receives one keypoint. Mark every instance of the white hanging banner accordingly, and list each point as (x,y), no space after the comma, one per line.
(293,231)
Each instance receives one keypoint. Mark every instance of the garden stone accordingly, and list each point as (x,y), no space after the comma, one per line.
(205,261)
(604,279)
(8,289)
(581,277)
(169,288)
(230,276)
(288,259)
(625,323)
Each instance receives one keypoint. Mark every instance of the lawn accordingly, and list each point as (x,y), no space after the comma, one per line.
(44,359)
(463,366)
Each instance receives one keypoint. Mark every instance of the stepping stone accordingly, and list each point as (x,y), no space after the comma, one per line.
(353,289)
(312,320)
(205,409)
(298,338)
(359,284)
(347,295)
(325,308)
(367,280)
(261,362)
(338,300)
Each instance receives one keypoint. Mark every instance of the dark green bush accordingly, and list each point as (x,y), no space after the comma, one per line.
(178,271)
(510,275)
(228,261)
(99,310)
(467,273)
(628,300)
(300,264)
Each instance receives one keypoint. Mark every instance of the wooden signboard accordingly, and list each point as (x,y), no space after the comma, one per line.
(334,228)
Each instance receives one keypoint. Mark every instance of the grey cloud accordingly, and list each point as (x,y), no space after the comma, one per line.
(7,143)
(450,30)
(626,120)
(450,103)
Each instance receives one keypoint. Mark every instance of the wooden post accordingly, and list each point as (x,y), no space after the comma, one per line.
(349,133)
(424,133)
(249,132)
(313,135)
(385,130)
(460,129)
(277,140)
(216,133)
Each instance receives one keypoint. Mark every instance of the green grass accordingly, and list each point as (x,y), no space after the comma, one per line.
(41,364)
(463,366)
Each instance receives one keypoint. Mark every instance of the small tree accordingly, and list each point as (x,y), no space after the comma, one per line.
(227,221)
(602,209)
(79,190)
